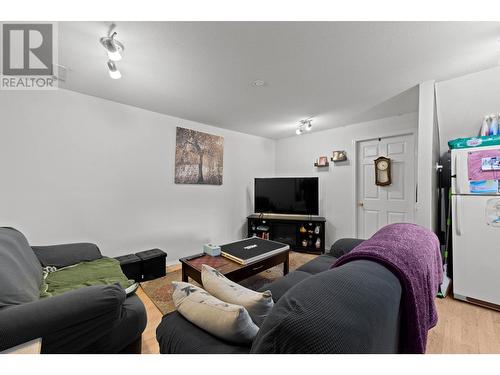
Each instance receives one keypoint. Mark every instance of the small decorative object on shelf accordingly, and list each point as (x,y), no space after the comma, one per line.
(318,243)
(263,235)
(302,229)
(322,162)
(338,156)
(317,229)
(304,242)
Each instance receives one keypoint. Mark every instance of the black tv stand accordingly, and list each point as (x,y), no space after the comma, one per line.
(300,232)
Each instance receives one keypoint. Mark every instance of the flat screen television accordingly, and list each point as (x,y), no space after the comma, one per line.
(287,195)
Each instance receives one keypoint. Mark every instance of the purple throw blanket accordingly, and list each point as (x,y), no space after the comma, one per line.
(413,254)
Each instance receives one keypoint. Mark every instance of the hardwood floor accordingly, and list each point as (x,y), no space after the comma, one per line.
(149,343)
(462,328)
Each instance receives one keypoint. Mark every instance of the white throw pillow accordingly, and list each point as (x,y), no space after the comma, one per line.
(258,304)
(226,321)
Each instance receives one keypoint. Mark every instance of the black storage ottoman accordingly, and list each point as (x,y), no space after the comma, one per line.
(131,266)
(153,264)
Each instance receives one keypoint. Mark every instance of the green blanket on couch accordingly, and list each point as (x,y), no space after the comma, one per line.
(102,271)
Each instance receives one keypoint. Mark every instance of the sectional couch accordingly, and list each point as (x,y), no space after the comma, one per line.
(354,308)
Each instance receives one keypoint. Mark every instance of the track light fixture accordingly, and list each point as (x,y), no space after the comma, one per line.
(112,46)
(113,70)
(114,50)
(305,126)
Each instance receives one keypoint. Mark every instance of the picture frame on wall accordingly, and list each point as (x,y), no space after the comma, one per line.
(323,160)
(198,157)
(339,156)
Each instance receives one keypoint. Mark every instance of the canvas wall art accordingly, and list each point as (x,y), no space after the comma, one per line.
(198,157)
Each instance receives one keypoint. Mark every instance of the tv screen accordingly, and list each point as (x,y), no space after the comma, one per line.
(287,195)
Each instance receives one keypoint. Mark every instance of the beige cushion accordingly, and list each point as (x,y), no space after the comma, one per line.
(226,321)
(258,305)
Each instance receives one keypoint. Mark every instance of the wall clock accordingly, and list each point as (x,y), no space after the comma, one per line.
(382,171)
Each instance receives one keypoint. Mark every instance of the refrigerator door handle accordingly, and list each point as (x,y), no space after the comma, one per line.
(458,226)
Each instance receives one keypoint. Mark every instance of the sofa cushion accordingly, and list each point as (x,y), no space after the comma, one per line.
(281,286)
(258,304)
(343,246)
(318,264)
(66,255)
(176,335)
(20,270)
(226,321)
(350,309)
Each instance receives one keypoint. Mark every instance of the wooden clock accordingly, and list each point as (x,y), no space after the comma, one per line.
(382,171)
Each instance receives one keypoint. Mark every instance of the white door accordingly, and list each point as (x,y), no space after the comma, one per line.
(476,253)
(382,205)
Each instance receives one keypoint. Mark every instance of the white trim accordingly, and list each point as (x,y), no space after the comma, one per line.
(355,143)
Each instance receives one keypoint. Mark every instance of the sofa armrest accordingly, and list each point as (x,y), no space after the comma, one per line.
(67,254)
(87,310)
(343,246)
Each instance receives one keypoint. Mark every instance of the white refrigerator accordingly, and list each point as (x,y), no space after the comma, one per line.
(476,225)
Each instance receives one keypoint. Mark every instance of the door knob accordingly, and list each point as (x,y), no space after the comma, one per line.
(360,204)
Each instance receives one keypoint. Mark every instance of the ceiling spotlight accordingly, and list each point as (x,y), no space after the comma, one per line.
(305,126)
(113,70)
(113,47)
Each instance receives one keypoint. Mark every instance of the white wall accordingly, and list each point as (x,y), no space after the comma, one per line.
(295,157)
(463,102)
(428,156)
(79,168)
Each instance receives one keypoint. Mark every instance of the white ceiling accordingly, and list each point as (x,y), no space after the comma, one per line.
(333,71)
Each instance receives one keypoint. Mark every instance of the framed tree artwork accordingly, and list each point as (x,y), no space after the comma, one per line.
(198,157)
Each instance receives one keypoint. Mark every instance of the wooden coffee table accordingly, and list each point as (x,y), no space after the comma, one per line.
(191,266)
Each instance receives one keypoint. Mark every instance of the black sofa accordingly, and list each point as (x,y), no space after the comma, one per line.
(354,308)
(94,319)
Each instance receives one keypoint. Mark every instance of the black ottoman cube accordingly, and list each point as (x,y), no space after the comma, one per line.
(153,263)
(131,266)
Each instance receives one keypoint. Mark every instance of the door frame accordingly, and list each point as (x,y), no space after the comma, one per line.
(355,142)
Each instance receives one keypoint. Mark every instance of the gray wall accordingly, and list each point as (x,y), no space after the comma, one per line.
(78,168)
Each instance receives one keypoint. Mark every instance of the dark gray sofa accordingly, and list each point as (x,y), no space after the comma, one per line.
(95,319)
(354,308)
